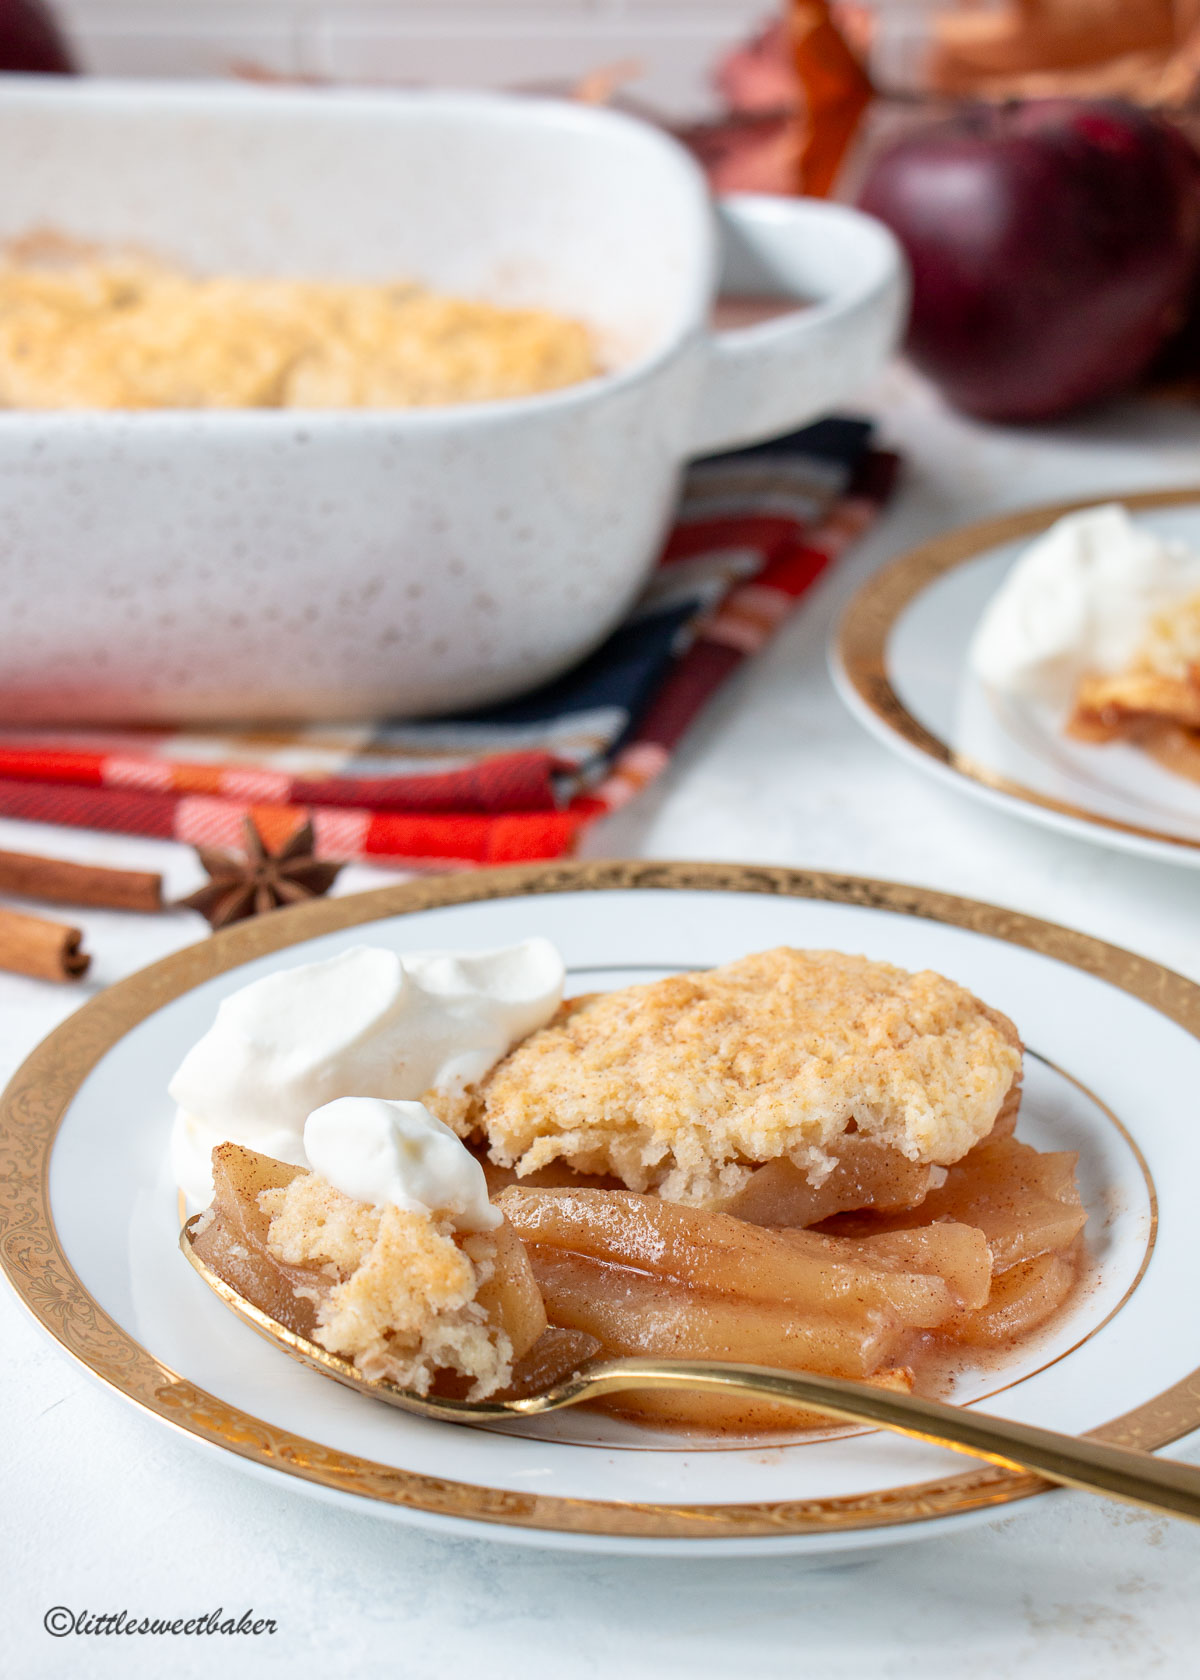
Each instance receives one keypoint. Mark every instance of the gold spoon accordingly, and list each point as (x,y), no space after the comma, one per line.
(1164,1485)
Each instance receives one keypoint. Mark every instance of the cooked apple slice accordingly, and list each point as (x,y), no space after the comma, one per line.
(631,1312)
(1025,1202)
(868,1174)
(1022,1297)
(958,1254)
(551,1359)
(231,1238)
(715,1252)
(509,1295)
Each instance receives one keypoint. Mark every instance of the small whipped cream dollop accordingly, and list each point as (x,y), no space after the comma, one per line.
(378,1151)
(367,1023)
(1079,601)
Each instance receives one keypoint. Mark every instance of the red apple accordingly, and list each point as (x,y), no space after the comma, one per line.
(30,40)
(1053,246)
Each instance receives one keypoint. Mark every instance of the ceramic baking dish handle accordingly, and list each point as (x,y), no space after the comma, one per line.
(849,276)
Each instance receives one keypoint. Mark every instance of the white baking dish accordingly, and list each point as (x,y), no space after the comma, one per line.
(277,564)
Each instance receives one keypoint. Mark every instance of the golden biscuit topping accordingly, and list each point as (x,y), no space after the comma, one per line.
(401,1297)
(684,1085)
(97,331)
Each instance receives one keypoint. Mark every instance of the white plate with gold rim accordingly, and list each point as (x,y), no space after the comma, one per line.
(900,663)
(88,1220)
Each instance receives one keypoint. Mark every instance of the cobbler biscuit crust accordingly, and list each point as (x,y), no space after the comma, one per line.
(80,329)
(684,1085)
(401,1296)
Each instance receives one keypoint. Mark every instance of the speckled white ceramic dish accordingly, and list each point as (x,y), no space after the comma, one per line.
(89,1219)
(283,564)
(900,663)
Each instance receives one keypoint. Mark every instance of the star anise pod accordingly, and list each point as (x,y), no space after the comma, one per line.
(241,886)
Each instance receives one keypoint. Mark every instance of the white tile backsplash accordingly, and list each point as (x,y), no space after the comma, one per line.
(197,39)
(481,43)
(674,62)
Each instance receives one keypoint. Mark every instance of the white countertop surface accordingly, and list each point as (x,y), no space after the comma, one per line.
(103,1509)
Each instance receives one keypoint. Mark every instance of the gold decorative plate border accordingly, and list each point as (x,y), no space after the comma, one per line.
(868,621)
(36,1099)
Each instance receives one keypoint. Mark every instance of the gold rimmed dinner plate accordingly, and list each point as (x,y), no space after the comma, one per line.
(900,663)
(89,1223)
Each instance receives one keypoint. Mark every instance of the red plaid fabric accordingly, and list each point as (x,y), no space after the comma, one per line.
(519,783)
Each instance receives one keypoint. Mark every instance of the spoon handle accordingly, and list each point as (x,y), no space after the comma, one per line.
(1164,1485)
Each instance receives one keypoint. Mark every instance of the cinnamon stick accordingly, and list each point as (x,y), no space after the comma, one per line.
(56,881)
(44,950)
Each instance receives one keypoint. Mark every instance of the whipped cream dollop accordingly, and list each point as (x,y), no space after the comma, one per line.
(367,1023)
(1079,601)
(379,1151)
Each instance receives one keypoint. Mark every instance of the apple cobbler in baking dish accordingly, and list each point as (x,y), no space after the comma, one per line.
(802,1159)
(82,328)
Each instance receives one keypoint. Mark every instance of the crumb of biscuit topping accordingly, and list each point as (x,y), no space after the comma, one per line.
(684,1085)
(401,1296)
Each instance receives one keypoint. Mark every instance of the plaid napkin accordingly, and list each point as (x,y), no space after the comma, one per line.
(513,782)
